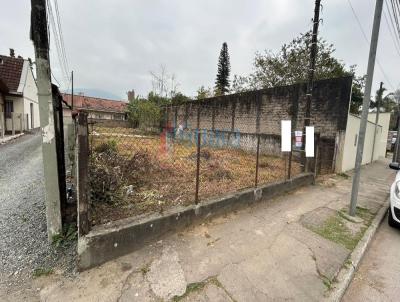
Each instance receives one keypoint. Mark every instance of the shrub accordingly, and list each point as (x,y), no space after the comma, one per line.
(108,146)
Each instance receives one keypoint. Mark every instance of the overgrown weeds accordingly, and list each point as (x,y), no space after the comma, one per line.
(70,234)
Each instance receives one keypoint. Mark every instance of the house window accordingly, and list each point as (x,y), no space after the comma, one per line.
(9,108)
(118,117)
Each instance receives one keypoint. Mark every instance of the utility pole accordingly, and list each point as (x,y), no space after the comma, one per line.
(365,106)
(72,90)
(396,148)
(378,108)
(311,71)
(39,36)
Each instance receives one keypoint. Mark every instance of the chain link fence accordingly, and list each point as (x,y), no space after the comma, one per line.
(187,157)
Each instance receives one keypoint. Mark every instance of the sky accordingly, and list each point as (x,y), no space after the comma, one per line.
(113,45)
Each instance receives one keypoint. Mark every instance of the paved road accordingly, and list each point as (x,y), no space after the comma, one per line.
(378,277)
(23,236)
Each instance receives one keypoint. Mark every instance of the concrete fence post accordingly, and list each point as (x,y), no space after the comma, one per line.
(2,124)
(21,122)
(12,123)
(82,169)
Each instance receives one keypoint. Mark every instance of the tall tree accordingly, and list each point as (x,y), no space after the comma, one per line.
(203,93)
(222,82)
(289,66)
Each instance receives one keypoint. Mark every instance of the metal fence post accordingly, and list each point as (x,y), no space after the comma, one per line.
(316,155)
(196,199)
(257,158)
(82,165)
(289,171)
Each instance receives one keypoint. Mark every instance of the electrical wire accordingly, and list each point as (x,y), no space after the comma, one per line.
(393,35)
(55,24)
(368,42)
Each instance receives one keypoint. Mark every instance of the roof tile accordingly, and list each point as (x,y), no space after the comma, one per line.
(10,71)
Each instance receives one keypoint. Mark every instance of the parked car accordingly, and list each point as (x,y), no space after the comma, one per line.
(394,209)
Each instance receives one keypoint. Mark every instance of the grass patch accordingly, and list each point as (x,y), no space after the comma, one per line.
(334,229)
(70,234)
(365,214)
(145,269)
(327,282)
(192,287)
(39,272)
(343,175)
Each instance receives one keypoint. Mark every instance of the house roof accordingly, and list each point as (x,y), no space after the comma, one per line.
(3,87)
(10,71)
(95,104)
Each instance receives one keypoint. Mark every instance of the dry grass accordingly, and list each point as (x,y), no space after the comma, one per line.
(161,177)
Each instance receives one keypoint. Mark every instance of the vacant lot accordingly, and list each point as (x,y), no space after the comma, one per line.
(133,174)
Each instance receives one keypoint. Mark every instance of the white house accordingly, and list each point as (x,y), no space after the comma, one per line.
(375,141)
(19,107)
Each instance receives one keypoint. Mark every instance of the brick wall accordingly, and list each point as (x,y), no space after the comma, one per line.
(261,111)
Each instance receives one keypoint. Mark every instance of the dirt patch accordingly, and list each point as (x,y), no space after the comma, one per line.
(135,174)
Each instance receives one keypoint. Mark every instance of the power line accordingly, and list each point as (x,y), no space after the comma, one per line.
(395,38)
(368,42)
(55,25)
(60,33)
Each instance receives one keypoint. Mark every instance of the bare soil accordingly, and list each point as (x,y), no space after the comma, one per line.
(134,174)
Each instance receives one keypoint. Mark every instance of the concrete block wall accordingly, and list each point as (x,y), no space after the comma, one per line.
(261,111)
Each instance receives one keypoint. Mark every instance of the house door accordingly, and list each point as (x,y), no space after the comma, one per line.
(32,123)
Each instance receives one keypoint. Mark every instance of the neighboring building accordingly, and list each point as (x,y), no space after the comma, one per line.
(347,158)
(97,108)
(18,94)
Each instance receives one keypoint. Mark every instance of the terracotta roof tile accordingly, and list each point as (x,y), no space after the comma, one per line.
(92,103)
(10,71)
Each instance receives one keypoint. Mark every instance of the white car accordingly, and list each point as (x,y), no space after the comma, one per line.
(394,209)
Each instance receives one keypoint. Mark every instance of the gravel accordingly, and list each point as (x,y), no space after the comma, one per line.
(23,236)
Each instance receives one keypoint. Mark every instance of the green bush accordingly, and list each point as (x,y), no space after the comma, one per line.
(144,114)
(108,146)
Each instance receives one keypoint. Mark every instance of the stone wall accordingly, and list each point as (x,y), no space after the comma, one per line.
(261,111)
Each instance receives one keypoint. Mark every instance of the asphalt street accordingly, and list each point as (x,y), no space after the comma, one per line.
(377,278)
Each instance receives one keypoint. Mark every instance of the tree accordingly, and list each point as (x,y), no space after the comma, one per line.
(163,83)
(179,98)
(203,93)
(222,83)
(144,113)
(290,65)
(357,94)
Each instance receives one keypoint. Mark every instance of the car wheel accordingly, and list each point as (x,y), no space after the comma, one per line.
(391,221)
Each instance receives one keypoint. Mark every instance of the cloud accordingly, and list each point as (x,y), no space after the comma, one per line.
(113,45)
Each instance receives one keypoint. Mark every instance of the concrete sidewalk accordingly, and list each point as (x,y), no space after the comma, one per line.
(289,248)
(8,138)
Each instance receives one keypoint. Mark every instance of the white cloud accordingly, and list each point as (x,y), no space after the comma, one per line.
(113,45)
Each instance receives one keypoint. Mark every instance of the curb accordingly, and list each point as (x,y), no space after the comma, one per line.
(345,275)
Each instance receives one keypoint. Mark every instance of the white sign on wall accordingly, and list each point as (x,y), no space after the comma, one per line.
(310,141)
(286,136)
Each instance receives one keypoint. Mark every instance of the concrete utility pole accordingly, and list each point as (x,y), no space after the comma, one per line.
(365,106)
(72,90)
(396,148)
(378,108)
(39,36)
(311,71)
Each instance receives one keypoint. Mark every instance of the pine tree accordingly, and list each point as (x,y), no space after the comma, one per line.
(224,68)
